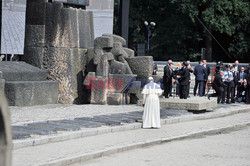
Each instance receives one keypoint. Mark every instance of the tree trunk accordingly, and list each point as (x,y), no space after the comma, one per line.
(208,48)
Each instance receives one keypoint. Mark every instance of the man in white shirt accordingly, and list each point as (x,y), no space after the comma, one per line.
(228,77)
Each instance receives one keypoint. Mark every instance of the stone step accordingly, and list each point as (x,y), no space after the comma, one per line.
(193,103)
(27,93)
(21,71)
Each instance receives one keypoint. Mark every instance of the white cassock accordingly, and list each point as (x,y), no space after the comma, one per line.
(151,113)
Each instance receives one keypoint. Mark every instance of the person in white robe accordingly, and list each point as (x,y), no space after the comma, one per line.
(151,113)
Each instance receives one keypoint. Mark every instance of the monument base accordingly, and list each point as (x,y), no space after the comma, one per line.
(192,104)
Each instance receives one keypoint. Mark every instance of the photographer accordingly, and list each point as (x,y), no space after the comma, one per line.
(218,86)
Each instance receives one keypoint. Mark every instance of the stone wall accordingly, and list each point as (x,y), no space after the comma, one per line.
(56,39)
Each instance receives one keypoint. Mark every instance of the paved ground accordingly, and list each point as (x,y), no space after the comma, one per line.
(230,149)
(21,115)
(66,148)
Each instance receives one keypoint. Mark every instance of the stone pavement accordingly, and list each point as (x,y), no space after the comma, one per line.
(68,147)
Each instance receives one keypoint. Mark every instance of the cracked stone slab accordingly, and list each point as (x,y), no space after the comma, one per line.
(105,122)
(194,103)
(122,119)
(33,130)
(16,135)
(77,123)
(58,127)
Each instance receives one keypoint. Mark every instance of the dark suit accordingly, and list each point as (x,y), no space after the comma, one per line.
(240,85)
(236,68)
(200,76)
(233,85)
(155,68)
(207,67)
(167,81)
(219,87)
(184,82)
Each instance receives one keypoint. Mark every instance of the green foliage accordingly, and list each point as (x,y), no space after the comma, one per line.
(178,35)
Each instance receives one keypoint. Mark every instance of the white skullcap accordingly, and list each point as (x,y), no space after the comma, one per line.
(150,78)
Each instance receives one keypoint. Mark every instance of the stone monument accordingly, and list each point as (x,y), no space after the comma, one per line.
(112,71)
(57,36)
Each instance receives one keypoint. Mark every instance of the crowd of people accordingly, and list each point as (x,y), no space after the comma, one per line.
(225,80)
(231,83)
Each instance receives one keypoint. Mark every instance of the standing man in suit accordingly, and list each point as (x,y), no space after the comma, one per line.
(184,80)
(207,67)
(200,76)
(236,67)
(240,81)
(167,80)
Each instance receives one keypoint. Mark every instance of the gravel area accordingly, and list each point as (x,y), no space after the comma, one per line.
(29,114)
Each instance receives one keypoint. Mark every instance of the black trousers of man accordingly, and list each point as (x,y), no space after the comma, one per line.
(220,94)
(240,88)
(204,88)
(184,92)
(198,83)
(168,89)
(229,90)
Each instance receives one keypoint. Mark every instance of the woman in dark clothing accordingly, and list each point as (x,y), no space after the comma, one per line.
(248,85)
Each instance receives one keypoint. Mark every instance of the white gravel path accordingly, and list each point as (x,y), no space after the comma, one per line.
(21,115)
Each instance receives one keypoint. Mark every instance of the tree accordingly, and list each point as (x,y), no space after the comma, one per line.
(179,34)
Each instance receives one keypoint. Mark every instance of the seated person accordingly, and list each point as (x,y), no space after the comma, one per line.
(242,93)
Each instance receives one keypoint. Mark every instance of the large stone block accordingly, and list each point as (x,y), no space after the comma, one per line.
(5,132)
(27,93)
(103,42)
(86,29)
(35,35)
(99,91)
(34,56)
(141,66)
(89,65)
(130,53)
(116,38)
(61,26)
(193,104)
(118,98)
(21,71)
(117,49)
(35,12)
(65,66)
